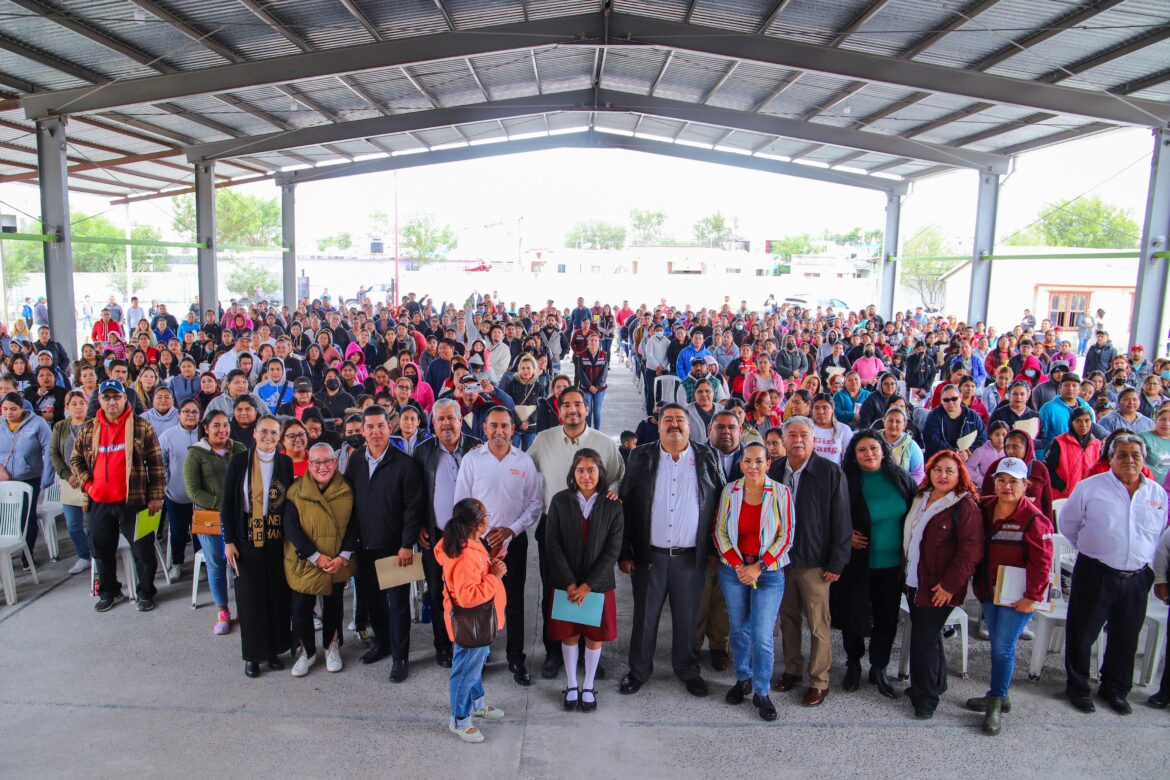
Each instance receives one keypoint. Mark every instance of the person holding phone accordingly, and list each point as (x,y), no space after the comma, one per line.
(583,538)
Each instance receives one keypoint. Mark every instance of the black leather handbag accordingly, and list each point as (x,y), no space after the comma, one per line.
(473,626)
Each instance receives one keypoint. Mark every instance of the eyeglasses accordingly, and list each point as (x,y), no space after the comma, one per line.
(296,437)
(950,400)
(317,464)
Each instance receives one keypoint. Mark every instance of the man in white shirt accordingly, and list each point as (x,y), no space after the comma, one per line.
(552,451)
(1114,521)
(230,360)
(504,479)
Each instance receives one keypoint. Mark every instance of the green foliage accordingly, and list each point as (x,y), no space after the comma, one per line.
(596,234)
(715,230)
(246,220)
(424,240)
(921,270)
(788,246)
(1088,223)
(249,275)
(646,227)
(340,241)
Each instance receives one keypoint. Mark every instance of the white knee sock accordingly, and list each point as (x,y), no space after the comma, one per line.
(592,659)
(569,653)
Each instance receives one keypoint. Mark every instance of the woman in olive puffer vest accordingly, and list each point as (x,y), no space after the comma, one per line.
(319,542)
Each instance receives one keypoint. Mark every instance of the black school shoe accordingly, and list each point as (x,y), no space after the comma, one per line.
(106,603)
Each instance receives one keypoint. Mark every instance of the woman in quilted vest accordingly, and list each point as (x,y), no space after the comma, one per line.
(319,542)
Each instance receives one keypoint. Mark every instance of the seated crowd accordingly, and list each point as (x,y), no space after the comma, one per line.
(796,466)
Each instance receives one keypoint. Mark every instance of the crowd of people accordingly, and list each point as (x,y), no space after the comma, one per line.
(797,466)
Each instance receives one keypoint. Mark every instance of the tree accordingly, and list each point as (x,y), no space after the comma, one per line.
(647,227)
(922,268)
(596,234)
(788,246)
(715,230)
(248,220)
(1087,223)
(249,275)
(341,241)
(424,240)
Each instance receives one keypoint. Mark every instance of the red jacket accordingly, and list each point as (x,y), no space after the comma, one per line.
(952,546)
(1025,540)
(1072,462)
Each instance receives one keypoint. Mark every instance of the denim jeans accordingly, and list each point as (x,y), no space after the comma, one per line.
(467,683)
(1005,625)
(524,440)
(595,400)
(179,524)
(213,557)
(1082,346)
(75,522)
(753,612)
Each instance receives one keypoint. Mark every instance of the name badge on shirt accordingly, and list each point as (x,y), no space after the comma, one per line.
(518,473)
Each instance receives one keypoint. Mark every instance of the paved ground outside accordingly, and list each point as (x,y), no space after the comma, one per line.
(157,695)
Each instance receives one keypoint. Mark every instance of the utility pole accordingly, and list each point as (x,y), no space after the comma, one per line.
(397,289)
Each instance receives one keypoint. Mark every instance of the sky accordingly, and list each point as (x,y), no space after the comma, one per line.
(494,204)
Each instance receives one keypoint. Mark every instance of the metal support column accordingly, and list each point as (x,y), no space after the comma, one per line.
(889,254)
(288,226)
(205,234)
(988,201)
(53,171)
(1149,320)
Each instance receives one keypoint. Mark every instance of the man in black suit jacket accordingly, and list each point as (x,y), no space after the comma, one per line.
(439,458)
(723,435)
(821,547)
(670,493)
(390,508)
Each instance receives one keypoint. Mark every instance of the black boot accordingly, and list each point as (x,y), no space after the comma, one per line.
(992,716)
(878,678)
(852,675)
(979,704)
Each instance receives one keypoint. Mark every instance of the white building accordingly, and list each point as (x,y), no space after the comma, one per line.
(1055,289)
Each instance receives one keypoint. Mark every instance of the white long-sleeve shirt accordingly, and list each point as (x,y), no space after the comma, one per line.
(1102,521)
(509,488)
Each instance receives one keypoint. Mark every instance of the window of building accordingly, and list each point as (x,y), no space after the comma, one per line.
(1065,305)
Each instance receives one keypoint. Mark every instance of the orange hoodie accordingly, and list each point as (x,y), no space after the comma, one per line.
(468,577)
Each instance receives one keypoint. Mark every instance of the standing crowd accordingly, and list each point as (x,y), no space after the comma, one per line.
(806,468)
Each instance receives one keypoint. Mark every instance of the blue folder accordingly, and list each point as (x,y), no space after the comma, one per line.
(587,613)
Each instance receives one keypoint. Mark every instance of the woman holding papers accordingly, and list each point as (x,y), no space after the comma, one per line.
(753,531)
(583,537)
(943,543)
(252,515)
(524,387)
(1018,444)
(1017,536)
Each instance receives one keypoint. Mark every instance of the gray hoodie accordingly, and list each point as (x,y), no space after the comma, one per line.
(162,422)
(25,451)
(174,444)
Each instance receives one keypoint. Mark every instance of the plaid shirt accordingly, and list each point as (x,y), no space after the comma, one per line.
(147,477)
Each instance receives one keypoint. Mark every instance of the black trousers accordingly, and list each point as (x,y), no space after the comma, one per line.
(552,648)
(1103,595)
(388,610)
(104,523)
(885,598)
(648,377)
(434,575)
(263,601)
(679,578)
(517,560)
(928,660)
(1165,687)
(303,605)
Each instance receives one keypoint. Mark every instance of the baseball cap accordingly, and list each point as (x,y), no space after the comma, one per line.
(111,386)
(1013,467)
(1137,348)
(1059,365)
(302,386)
(709,360)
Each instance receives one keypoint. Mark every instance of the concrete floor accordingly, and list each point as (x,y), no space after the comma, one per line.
(97,696)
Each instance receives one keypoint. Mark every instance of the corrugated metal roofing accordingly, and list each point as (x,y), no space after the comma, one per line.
(66,58)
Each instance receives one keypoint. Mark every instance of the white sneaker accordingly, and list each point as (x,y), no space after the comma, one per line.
(1028,634)
(489,713)
(333,658)
(303,663)
(983,631)
(352,627)
(175,572)
(469,734)
(317,624)
(80,565)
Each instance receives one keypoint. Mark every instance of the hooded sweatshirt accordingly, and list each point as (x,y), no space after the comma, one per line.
(162,422)
(25,451)
(174,444)
(109,483)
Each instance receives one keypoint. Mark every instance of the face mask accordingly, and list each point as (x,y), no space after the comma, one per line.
(333,384)
(354,440)
(1119,381)
(739,326)
(1030,372)
(869,353)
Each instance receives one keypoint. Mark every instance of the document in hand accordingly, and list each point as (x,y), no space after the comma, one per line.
(146,523)
(965,442)
(391,575)
(1030,426)
(1010,583)
(587,613)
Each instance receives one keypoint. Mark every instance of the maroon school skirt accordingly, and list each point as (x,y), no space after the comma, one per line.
(559,630)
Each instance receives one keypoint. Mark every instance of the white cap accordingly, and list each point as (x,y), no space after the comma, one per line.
(1013,467)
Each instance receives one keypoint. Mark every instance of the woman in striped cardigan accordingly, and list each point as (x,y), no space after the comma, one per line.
(753,531)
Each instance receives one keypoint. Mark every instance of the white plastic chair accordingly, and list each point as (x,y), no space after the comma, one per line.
(1057,505)
(1155,639)
(199,560)
(957,618)
(129,573)
(666,389)
(49,508)
(14,497)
